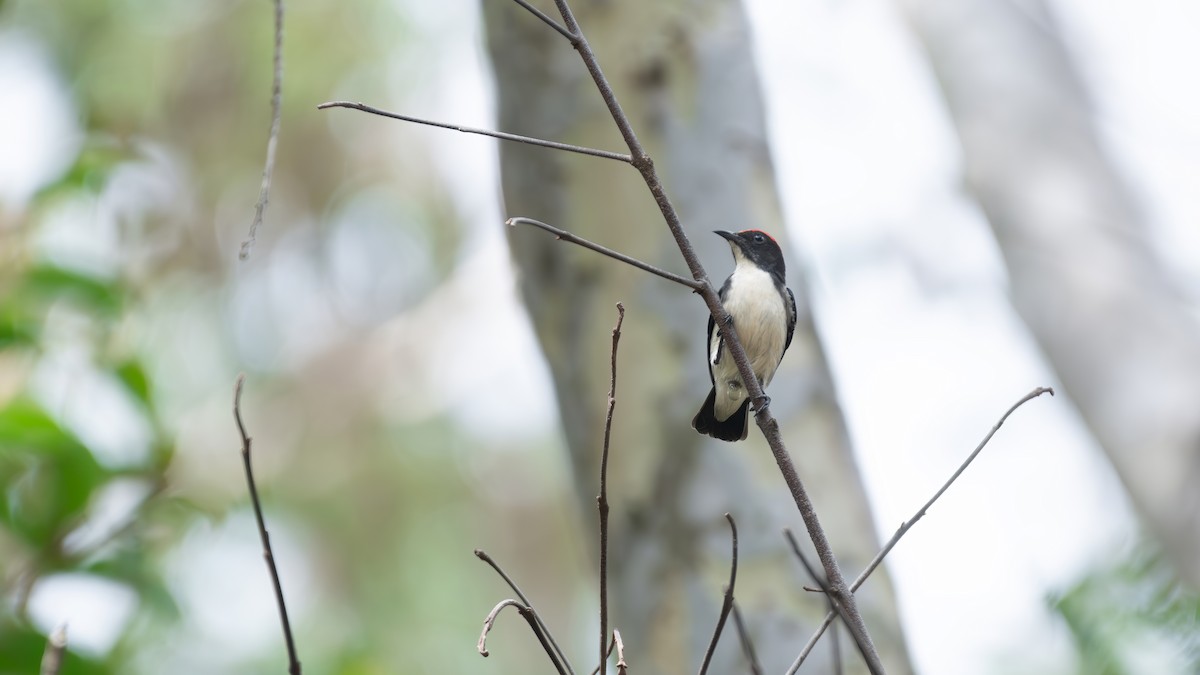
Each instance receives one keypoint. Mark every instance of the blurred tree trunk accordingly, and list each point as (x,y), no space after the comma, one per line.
(1083,274)
(684,72)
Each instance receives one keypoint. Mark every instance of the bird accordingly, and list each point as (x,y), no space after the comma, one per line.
(763,310)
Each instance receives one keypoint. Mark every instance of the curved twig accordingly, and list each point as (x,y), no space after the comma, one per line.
(531,618)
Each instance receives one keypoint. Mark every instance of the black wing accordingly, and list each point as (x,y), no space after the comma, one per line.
(791,312)
(708,346)
(712,324)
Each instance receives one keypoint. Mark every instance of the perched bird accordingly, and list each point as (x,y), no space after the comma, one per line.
(763,310)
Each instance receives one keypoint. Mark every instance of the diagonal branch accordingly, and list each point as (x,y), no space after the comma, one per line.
(907,525)
(558,655)
(727,605)
(268,556)
(576,239)
(602,499)
(567,147)
(272,138)
(546,19)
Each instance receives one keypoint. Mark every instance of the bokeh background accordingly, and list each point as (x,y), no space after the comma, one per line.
(403,412)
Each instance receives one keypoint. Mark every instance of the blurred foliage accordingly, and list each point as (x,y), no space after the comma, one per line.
(120,276)
(52,480)
(1133,616)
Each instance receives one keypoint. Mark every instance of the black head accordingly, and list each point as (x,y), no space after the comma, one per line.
(757,247)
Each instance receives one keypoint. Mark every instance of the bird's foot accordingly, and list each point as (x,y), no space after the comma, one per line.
(761,403)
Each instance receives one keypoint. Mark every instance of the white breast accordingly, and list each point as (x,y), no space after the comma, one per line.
(760,317)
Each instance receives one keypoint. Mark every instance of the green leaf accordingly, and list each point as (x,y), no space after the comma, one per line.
(90,171)
(48,475)
(16,327)
(133,376)
(47,283)
(1128,603)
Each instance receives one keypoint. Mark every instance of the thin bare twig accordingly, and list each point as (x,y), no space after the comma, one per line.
(535,624)
(272,138)
(727,604)
(907,525)
(747,644)
(56,647)
(566,147)
(268,556)
(576,239)
(833,606)
(602,499)
(546,19)
(622,667)
(557,655)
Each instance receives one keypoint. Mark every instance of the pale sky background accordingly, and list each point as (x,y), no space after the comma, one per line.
(909,287)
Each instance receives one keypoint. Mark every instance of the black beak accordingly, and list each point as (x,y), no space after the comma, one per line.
(727,235)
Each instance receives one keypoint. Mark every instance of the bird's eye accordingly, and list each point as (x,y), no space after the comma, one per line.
(758,239)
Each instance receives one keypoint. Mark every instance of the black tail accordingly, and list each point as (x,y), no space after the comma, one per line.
(733,429)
